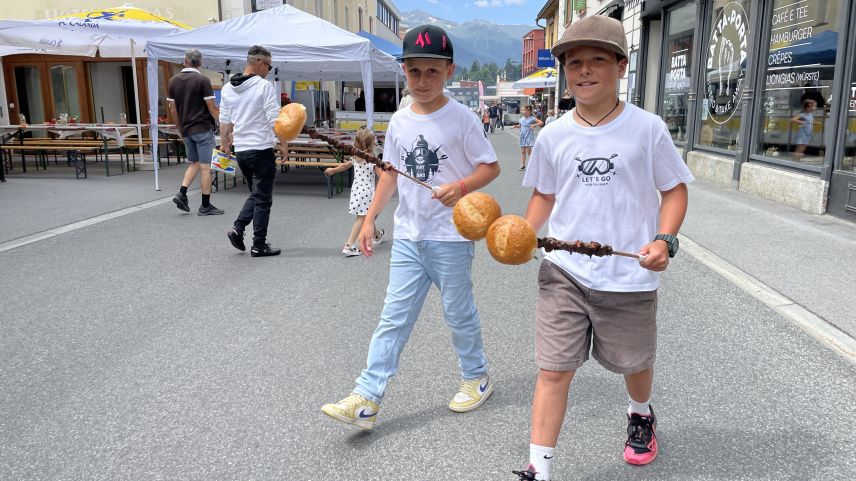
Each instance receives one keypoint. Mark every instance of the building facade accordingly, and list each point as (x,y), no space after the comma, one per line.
(100,90)
(532,42)
(758,95)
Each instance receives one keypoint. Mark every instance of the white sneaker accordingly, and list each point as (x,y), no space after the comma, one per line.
(351,251)
(471,394)
(355,410)
(377,240)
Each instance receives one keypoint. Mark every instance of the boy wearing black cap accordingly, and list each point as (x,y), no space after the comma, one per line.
(440,142)
(598,173)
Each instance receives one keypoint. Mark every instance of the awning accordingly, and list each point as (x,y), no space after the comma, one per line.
(544,78)
(382,44)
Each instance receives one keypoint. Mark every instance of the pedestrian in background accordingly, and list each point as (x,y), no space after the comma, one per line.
(437,141)
(248,109)
(805,131)
(406,100)
(192,108)
(617,160)
(527,134)
(362,189)
(485,118)
(493,116)
(551,116)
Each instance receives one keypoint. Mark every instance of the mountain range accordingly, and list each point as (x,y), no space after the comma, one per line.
(480,40)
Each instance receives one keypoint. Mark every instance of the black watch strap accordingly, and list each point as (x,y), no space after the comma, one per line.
(672,242)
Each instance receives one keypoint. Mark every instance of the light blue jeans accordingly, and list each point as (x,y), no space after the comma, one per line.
(414,266)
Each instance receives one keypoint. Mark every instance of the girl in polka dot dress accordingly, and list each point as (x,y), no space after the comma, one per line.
(362,190)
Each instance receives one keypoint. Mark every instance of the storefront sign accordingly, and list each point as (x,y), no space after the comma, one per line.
(853,97)
(545,59)
(798,51)
(266,4)
(726,60)
(678,78)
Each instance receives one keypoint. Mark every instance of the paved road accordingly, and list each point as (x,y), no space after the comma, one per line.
(145,348)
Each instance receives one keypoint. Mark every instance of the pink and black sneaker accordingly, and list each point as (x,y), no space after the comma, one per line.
(527,474)
(641,445)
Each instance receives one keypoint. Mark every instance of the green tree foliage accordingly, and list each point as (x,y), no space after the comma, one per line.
(488,73)
(512,70)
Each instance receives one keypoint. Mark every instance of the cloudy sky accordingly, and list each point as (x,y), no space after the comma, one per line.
(498,11)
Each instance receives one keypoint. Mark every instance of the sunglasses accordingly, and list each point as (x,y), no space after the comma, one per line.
(269,66)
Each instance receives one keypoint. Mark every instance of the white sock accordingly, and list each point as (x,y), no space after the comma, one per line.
(639,408)
(541,457)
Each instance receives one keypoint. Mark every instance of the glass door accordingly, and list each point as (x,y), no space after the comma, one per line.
(842,186)
(29,94)
(676,82)
(66,95)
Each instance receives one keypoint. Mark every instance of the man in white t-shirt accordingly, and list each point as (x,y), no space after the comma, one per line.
(598,174)
(439,142)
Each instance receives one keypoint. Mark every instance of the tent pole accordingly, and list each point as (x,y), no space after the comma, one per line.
(152,79)
(137,97)
(397,93)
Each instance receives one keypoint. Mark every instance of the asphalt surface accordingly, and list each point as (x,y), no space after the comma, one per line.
(145,347)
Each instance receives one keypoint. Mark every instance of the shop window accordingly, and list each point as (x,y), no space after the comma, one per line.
(66,99)
(724,61)
(848,162)
(677,80)
(800,64)
(631,76)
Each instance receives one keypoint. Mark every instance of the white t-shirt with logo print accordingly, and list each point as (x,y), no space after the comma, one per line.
(606,181)
(439,148)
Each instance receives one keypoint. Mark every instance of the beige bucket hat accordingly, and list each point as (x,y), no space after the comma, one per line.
(595,31)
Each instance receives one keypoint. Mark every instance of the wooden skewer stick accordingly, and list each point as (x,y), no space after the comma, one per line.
(349,149)
(586,248)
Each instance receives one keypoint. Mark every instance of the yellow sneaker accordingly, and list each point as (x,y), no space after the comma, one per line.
(355,410)
(471,394)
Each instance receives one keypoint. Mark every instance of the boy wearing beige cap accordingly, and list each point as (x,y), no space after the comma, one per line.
(598,174)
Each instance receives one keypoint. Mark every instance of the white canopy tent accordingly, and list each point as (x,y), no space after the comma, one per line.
(302,46)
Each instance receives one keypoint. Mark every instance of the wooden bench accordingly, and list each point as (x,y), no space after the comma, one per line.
(318,156)
(336,183)
(104,147)
(41,152)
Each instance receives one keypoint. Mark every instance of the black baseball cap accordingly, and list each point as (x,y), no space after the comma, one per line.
(426,41)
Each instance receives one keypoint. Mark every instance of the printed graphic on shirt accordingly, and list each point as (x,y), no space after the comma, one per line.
(422,162)
(596,171)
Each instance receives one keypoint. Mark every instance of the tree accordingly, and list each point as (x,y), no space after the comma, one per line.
(512,70)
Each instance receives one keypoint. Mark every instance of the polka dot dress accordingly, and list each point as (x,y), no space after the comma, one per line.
(362,190)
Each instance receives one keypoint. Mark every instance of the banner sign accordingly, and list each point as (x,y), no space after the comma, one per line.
(545,59)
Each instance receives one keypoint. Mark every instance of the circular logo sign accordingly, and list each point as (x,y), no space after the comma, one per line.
(726,59)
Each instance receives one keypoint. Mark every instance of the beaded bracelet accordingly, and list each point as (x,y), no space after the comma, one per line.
(463,188)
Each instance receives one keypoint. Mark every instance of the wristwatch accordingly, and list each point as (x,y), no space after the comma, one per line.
(671,240)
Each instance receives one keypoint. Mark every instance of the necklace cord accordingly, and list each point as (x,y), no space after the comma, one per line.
(617,102)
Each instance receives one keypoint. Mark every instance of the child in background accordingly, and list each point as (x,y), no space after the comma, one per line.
(527,135)
(551,116)
(805,120)
(362,190)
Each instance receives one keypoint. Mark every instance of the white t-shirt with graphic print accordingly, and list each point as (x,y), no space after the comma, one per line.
(441,147)
(606,181)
